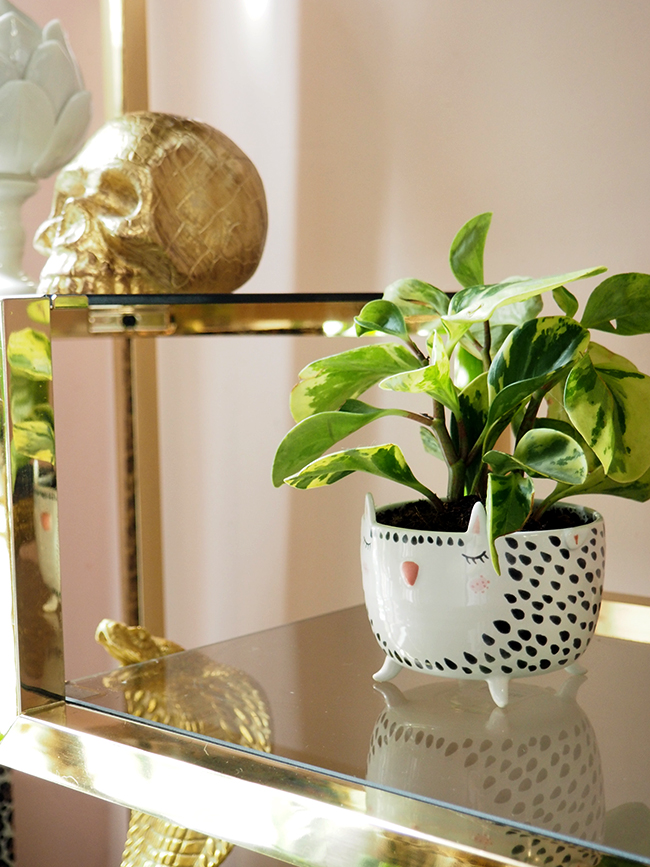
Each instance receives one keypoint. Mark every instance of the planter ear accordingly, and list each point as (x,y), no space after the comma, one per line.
(370,514)
(477,520)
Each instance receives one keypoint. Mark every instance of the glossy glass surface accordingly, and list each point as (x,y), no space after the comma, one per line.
(568,757)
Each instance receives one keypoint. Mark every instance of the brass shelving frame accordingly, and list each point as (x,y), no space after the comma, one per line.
(258,801)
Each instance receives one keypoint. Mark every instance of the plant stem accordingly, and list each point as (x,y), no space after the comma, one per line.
(556,494)
(531,412)
(487,345)
(425,420)
(462,439)
(456,485)
(442,434)
(421,357)
(476,448)
(455,464)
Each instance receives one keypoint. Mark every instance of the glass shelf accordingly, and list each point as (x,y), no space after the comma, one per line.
(558,776)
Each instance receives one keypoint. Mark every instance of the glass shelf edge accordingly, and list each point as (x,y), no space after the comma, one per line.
(252,800)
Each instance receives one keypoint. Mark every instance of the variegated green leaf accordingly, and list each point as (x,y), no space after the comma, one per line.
(564,426)
(26,395)
(533,356)
(39,311)
(29,353)
(478,303)
(468,366)
(386,461)
(610,406)
(509,503)
(552,454)
(603,357)
(466,254)
(623,299)
(430,443)
(326,384)
(382,316)
(434,380)
(504,320)
(599,483)
(34,439)
(420,303)
(473,402)
(566,301)
(555,402)
(544,454)
(519,312)
(314,435)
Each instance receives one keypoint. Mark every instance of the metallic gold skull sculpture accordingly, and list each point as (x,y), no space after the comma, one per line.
(154,204)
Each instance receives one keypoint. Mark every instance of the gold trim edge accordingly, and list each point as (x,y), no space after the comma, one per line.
(329,316)
(624,617)
(255,801)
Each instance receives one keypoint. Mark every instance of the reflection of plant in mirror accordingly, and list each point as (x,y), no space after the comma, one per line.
(490,362)
(29,356)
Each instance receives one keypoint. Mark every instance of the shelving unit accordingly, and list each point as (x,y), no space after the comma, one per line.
(416,771)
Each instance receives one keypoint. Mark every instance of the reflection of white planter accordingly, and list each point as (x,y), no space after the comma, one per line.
(46,532)
(535,763)
(436,604)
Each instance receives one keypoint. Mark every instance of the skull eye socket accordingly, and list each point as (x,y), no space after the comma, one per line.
(116,194)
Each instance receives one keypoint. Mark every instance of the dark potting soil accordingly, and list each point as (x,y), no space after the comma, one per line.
(454,517)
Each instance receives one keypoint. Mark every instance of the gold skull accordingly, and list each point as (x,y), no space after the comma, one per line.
(154,203)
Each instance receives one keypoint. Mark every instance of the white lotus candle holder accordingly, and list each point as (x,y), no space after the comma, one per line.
(44,113)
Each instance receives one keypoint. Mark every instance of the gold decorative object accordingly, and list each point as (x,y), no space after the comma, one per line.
(221,702)
(154,203)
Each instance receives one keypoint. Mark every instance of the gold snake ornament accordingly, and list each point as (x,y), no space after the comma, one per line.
(223,703)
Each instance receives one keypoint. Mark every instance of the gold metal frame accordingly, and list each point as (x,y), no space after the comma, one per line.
(301,815)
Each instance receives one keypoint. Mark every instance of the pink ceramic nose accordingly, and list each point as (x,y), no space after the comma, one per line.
(410,572)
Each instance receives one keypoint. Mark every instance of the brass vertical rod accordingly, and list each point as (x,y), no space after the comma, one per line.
(147,500)
(126,481)
(127,89)
(126,78)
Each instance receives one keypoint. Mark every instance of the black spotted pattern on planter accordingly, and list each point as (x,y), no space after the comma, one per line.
(535,607)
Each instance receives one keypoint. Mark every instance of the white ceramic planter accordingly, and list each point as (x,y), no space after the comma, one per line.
(436,604)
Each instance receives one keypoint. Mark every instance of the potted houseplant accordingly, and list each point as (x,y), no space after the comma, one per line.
(488,581)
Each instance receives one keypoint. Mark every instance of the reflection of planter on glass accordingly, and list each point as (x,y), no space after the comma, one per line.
(535,763)
(46,532)
(29,356)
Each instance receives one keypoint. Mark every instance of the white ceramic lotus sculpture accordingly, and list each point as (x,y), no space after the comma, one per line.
(44,113)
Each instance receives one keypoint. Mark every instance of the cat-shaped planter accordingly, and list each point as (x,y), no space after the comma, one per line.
(436,604)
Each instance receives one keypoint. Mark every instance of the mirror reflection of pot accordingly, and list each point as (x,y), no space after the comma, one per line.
(46,532)
(533,763)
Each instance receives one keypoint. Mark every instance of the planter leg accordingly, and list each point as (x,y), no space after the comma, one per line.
(575,668)
(389,669)
(499,690)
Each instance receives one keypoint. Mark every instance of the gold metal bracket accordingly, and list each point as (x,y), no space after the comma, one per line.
(130,321)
